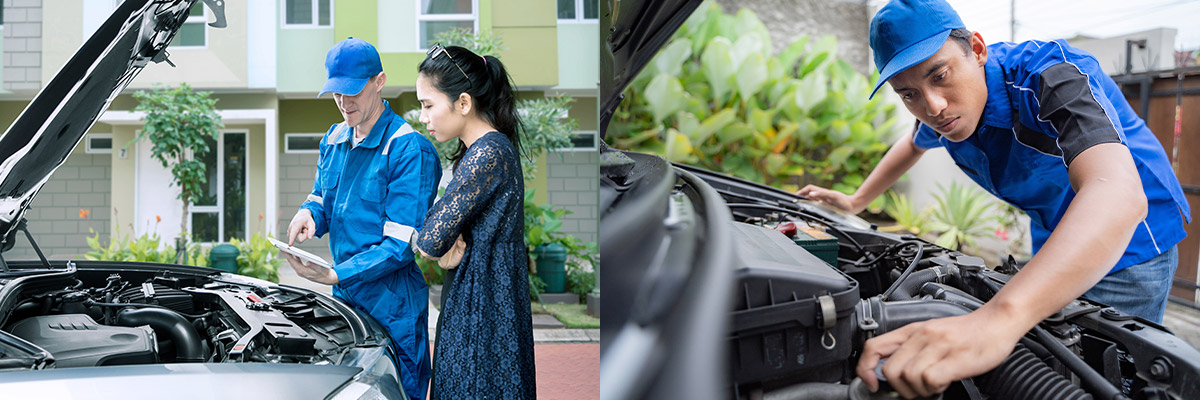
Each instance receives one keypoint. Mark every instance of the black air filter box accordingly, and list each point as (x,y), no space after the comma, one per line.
(792,311)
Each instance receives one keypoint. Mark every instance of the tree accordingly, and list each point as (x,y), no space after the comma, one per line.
(178,120)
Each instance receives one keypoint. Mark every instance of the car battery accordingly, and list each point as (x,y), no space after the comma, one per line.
(792,311)
(817,242)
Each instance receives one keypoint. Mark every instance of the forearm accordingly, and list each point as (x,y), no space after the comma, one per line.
(1089,240)
(894,164)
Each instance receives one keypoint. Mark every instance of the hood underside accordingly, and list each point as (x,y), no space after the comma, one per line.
(633,32)
(54,123)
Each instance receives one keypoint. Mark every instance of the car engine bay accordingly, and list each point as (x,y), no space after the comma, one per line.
(86,317)
(726,288)
(810,321)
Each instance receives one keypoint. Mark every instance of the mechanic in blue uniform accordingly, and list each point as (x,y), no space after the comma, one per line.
(375,180)
(1039,125)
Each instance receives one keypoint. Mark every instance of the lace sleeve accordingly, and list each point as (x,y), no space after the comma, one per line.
(478,175)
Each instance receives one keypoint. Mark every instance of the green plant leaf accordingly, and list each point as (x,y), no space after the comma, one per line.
(665,96)
(679,147)
(714,124)
(670,60)
(839,155)
(743,48)
(839,132)
(734,132)
(751,76)
(811,90)
(793,53)
(718,67)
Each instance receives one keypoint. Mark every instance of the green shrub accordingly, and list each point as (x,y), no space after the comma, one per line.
(717,98)
(144,248)
(257,258)
(579,280)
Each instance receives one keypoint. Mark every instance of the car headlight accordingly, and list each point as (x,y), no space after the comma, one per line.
(378,380)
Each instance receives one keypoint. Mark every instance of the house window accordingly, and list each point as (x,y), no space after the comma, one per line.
(194,32)
(307,13)
(98,143)
(582,141)
(218,213)
(436,16)
(302,143)
(578,10)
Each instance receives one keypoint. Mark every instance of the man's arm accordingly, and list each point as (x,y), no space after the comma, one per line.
(924,357)
(894,164)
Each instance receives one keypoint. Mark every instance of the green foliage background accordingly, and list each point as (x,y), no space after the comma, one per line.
(716,97)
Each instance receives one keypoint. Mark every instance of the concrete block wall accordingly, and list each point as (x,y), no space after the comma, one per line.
(573,184)
(296,173)
(83,183)
(22,45)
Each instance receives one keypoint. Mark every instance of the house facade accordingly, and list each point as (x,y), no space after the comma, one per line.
(265,69)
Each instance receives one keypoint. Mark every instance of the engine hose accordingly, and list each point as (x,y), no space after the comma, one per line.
(167,323)
(1023,376)
(909,288)
(911,266)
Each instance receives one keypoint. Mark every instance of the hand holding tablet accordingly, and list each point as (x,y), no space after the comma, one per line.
(312,259)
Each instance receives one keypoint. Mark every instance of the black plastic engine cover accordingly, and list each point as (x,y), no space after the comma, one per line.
(76,340)
(792,312)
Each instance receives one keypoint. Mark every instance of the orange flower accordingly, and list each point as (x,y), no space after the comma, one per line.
(260,217)
(83,214)
(157,218)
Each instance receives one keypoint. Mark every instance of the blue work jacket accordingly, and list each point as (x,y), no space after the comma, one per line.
(371,198)
(1048,102)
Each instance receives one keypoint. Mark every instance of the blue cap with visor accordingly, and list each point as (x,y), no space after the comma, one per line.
(905,33)
(349,65)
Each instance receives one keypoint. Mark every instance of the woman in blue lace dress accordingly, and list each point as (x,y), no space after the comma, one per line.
(484,346)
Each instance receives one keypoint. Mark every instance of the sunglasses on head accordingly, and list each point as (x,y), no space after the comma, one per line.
(438,50)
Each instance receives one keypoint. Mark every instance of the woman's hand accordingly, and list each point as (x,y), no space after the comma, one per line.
(452,258)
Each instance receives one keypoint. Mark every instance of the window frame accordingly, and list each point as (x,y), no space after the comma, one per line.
(422,17)
(88,149)
(287,141)
(579,19)
(219,208)
(283,24)
(595,142)
(202,19)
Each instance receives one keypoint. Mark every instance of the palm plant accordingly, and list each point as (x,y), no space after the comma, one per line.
(962,215)
(907,217)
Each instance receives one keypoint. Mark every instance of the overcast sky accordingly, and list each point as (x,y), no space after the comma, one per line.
(1053,19)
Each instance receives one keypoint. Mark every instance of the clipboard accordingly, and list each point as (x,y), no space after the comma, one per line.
(312,259)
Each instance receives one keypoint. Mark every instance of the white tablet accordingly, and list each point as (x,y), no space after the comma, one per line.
(312,259)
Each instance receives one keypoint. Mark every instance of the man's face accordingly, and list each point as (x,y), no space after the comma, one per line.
(358,108)
(947,92)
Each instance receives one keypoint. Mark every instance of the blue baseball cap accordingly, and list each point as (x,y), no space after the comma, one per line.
(905,33)
(349,65)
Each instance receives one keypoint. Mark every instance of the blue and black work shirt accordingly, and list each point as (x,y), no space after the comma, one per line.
(1047,103)
(371,198)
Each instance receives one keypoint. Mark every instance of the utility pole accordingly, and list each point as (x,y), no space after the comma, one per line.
(1012,21)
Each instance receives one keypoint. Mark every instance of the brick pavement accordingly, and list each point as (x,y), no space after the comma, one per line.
(567,371)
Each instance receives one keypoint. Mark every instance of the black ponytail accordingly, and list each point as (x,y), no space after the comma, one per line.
(488,83)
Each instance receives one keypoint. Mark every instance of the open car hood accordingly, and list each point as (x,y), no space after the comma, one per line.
(54,123)
(634,32)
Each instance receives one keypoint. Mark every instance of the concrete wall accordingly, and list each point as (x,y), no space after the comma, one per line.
(22,45)
(789,19)
(578,56)
(573,184)
(81,184)
(296,172)
(1159,53)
